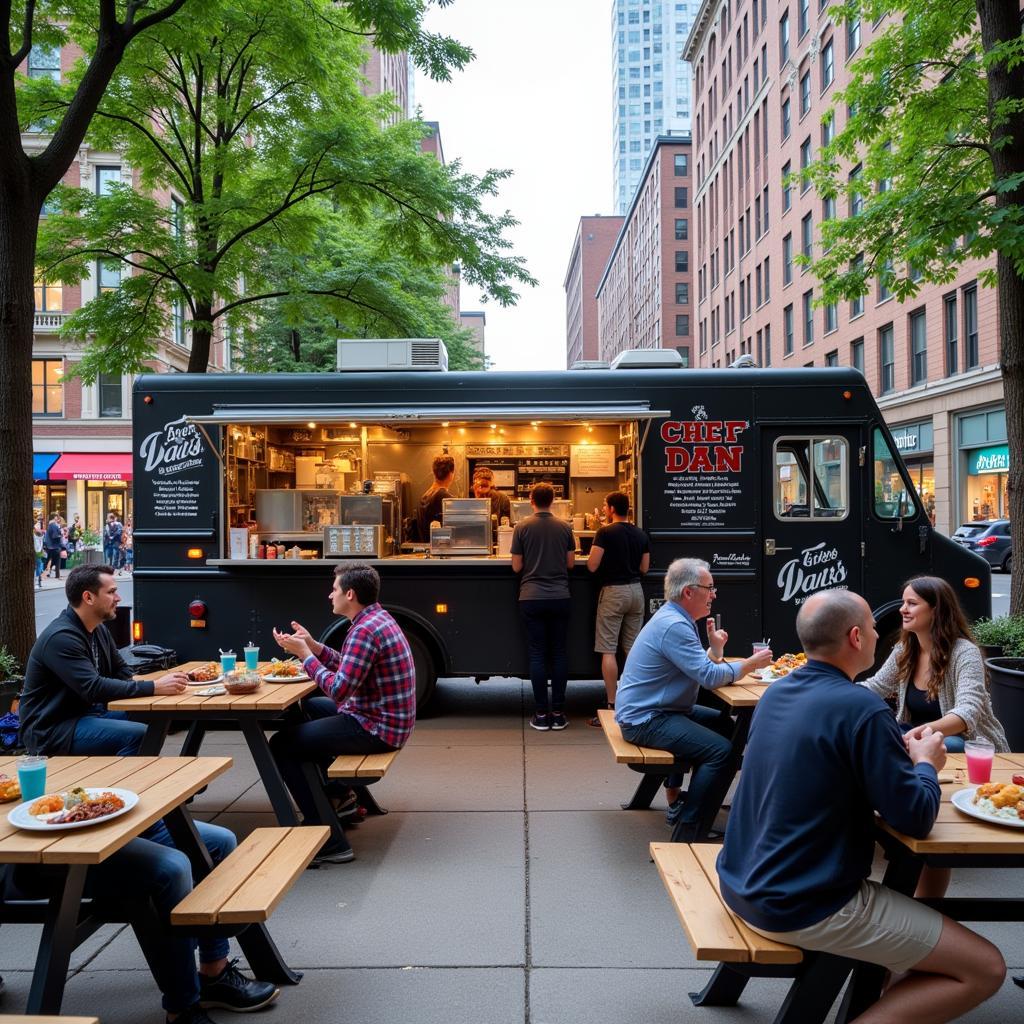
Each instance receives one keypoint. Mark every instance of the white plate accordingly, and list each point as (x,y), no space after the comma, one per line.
(286,679)
(962,801)
(212,691)
(765,675)
(205,682)
(20,818)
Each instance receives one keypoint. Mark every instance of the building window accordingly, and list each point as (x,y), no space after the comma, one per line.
(49,297)
(885,281)
(787,259)
(682,229)
(807,237)
(787,330)
(831,321)
(786,118)
(684,354)
(828,129)
(682,198)
(857,304)
(803,19)
(44,62)
(111,396)
(682,165)
(887,359)
(971,326)
(918,348)
(47,389)
(767,345)
(767,280)
(852,37)
(808,308)
(682,325)
(856,196)
(178,323)
(178,212)
(828,67)
(682,293)
(832,358)
(682,261)
(857,354)
(784,39)
(805,92)
(805,162)
(787,191)
(951,327)
(106,178)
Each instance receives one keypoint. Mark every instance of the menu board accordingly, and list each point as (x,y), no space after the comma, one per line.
(176,476)
(592,460)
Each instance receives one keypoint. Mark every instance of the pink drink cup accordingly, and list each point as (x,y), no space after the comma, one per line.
(979,762)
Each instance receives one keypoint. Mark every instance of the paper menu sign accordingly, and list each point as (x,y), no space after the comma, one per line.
(238,541)
(592,460)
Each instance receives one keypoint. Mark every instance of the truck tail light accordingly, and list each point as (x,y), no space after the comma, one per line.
(137,632)
(972,583)
(986,542)
(197,614)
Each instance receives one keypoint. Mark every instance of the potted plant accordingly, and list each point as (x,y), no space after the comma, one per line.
(10,680)
(999,636)
(1006,679)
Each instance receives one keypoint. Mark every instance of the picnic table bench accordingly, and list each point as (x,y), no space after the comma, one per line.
(358,771)
(17,1018)
(654,765)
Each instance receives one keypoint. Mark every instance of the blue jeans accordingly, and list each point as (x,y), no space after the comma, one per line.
(700,738)
(107,733)
(547,628)
(327,735)
(954,744)
(152,866)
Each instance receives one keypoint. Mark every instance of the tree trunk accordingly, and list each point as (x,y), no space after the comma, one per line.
(18,216)
(202,338)
(1000,22)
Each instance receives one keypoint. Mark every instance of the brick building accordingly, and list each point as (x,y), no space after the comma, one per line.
(389,73)
(475,320)
(765,75)
(643,297)
(595,238)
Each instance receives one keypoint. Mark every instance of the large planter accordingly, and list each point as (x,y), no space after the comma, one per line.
(991,650)
(92,556)
(1006,676)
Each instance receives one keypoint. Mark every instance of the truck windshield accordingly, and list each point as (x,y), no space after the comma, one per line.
(893,499)
(811,478)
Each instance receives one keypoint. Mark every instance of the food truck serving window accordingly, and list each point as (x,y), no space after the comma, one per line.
(893,499)
(811,478)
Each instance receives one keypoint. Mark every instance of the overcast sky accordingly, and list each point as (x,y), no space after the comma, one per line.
(535,100)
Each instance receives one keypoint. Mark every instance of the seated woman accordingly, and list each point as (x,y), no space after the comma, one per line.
(936,673)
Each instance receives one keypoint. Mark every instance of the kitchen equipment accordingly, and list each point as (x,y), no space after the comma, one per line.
(466,530)
(355,541)
(521,510)
(305,471)
(561,508)
(283,513)
(505,541)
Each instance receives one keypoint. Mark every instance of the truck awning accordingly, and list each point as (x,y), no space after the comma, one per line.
(510,412)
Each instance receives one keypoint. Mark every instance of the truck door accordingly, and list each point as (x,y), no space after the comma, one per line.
(812,524)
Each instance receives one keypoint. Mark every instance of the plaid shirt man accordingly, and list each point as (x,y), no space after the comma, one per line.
(373,679)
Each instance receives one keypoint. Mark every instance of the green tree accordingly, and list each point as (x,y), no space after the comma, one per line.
(251,114)
(936,126)
(107,30)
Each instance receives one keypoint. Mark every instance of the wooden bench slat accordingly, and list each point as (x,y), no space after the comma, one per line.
(255,899)
(626,752)
(762,950)
(345,767)
(17,1018)
(375,766)
(202,905)
(708,924)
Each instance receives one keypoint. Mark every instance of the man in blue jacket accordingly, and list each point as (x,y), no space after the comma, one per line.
(823,756)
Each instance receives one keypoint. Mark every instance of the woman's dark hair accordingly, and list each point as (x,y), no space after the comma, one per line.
(83,578)
(948,625)
(361,578)
(443,467)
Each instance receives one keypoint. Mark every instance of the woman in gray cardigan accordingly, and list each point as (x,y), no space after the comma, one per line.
(936,672)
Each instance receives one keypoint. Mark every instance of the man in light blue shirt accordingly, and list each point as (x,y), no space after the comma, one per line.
(656,701)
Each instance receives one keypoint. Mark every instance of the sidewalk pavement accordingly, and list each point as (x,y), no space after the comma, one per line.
(48,583)
(505,886)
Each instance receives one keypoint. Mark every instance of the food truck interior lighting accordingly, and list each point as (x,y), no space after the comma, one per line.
(136,632)
(353,425)
(441,609)
(444,423)
(195,552)
(972,583)
(311,425)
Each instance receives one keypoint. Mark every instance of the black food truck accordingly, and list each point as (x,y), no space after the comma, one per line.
(249,489)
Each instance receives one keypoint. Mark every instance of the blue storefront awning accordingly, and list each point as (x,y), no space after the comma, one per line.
(41,463)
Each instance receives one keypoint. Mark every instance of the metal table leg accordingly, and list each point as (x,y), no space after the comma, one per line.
(814,990)
(646,789)
(193,739)
(724,989)
(156,733)
(324,808)
(57,944)
(267,767)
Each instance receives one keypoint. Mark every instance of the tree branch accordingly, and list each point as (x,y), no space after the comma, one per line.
(26,35)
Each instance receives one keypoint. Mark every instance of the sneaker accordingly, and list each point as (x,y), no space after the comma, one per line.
(333,853)
(193,1015)
(558,720)
(232,990)
(540,721)
(345,805)
(595,722)
(675,809)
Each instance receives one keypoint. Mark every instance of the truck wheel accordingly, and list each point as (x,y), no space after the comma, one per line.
(426,673)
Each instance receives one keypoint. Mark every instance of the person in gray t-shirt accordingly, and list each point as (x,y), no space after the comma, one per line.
(543,552)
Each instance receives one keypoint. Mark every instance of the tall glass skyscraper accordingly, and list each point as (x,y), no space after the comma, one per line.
(650,84)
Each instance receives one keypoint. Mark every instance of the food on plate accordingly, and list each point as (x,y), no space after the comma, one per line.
(47,804)
(1018,780)
(9,789)
(284,669)
(93,807)
(1001,800)
(205,673)
(785,664)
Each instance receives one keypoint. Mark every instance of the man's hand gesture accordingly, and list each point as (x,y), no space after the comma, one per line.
(170,684)
(717,639)
(927,747)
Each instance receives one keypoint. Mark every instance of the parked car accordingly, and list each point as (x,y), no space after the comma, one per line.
(989,538)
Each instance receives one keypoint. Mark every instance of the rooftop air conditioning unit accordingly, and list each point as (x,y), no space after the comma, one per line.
(648,359)
(392,354)
(589,364)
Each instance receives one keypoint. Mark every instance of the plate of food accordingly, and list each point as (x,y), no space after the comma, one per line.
(73,808)
(1000,803)
(9,788)
(283,672)
(780,667)
(205,674)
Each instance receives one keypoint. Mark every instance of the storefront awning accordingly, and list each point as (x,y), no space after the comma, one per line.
(41,463)
(510,412)
(103,466)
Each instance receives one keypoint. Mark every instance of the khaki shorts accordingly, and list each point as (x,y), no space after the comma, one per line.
(620,613)
(879,926)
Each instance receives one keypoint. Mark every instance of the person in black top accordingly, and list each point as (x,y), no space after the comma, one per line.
(74,669)
(620,555)
(432,502)
(483,487)
(53,543)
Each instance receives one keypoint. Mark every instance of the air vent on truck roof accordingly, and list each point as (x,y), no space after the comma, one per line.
(376,354)
(648,359)
(589,364)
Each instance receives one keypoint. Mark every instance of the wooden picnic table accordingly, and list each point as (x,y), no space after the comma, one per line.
(163,784)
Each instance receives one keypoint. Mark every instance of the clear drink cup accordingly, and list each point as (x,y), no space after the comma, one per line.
(252,657)
(760,645)
(979,754)
(32,776)
(228,661)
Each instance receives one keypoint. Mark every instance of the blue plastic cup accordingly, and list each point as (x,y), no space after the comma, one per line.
(228,662)
(32,776)
(252,658)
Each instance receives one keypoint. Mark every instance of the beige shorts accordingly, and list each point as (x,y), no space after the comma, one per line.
(879,926)
(620,615)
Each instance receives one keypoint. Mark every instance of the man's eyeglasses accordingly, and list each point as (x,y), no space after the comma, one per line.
(705,586)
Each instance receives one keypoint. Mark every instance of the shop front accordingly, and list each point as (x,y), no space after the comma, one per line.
(48,496)
(102,482)
(914,441)
(984,465)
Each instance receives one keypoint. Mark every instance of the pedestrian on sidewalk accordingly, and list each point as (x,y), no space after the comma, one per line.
(74,534)
(53,544)
(37,539)
(112,534)
(127,547)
